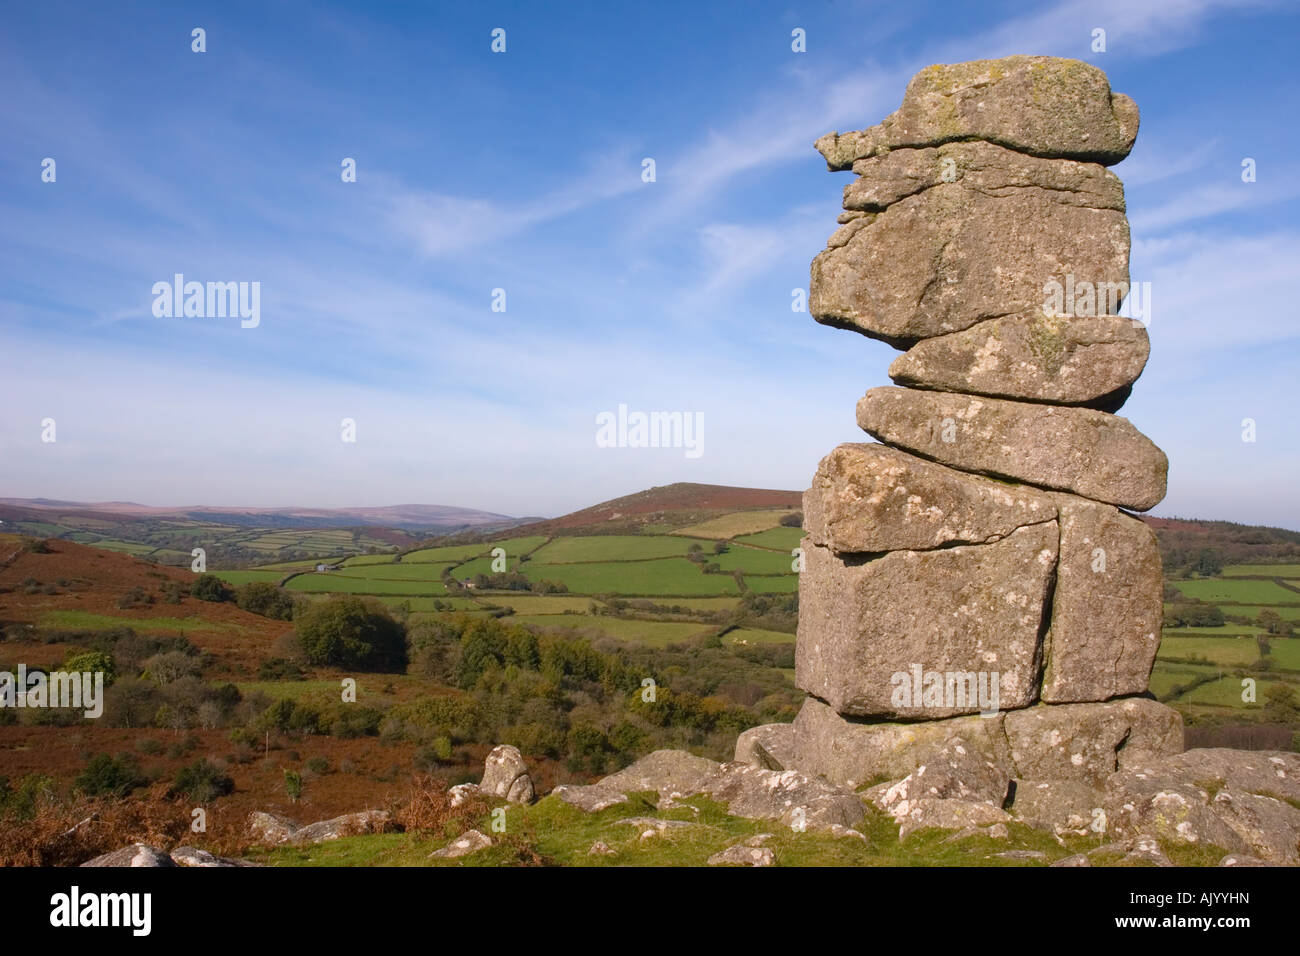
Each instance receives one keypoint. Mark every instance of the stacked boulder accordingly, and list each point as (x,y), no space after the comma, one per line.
(975,587)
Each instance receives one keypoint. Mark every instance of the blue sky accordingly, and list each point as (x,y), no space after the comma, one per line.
(522,171)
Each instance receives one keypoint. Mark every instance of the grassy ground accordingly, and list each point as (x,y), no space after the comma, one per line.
(611,548)
(563,835)
(729,526)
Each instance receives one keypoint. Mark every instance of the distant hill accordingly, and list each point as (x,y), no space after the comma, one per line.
(664,508)
(389,516)
(1182,538)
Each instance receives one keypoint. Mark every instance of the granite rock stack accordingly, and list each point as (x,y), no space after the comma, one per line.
(977,574)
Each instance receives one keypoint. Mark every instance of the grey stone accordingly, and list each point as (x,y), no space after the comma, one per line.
(1088,742)
(796,799)
(1045,106)
(469,842)
(873,498)
(1059,806)
(137,854)
(592,799)
(741,855)
(769,746)
(1080,450)
(505,775)
(1107,606)
(968,610)
(670,773)
(852,752)
(1085,360)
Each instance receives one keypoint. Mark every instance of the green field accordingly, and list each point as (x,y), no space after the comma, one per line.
(778,539)
(1227,693)
(1252,610)
(537,603)
(613,547)
(1262,570)
(653,633)
(1221,651)
(392,572)
(1225,630)
(753,635)
(1285,652)
(666,576)
(332,582)
(425,604)
(85,620)
(753,561)
(369,559)
(452,553)
(787,584)
(244,577)
(741,522)
(1237,591)
(1166,677)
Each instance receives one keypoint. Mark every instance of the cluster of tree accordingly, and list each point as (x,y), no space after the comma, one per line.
(1193,614)
(1202,561)
(1180,541)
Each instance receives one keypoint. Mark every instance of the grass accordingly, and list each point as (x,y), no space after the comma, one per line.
(666,576)
(1166,677)
(1262,570)
(778,539)
(613,547)
(1253,610)
(754,635)
(1221,651)
(334,583)
(246,577)
(86,620)
(392,572)
(787,584)
(1227,693)
(650,633)
(1285,652)
(753,560)
(741,522)
(426,603)
(361,559)
(538,603)
(451,553)
(1239,591)
(1225,630)
(563,835)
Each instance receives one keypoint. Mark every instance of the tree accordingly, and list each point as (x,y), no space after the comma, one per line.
(209,587)
(264,598)
(347,631)
(1207,562)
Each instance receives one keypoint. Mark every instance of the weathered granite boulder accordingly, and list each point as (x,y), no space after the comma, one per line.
(1080,450)
(796,799)
(1044,106)
(929,813)
(1088,742)
(768,746)
(873,498)
(670,773)
(137,854)
(1107,606)
(270,829)
(193,856)
(592,799)
(980,236)
(1268,826)
(854,753)
(349,824)
(956,627)
(1086,360)
(469,842)
(958,771)
(505,775)
(741,855)
(1061,806)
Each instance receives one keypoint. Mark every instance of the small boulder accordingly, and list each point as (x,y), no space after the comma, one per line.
(470,842)
(741,855)
(193,856)
(769,747)
(592,799)
(670,773)
(270,829)
(505,775)
(137,854)
(349,824)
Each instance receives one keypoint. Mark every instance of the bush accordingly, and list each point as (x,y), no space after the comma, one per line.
(352,633)
(92,662)
(134,598)
(279,668)
(792,520)
(318,765)
(260,597)
(201,782)
(209,587)
(107,776)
